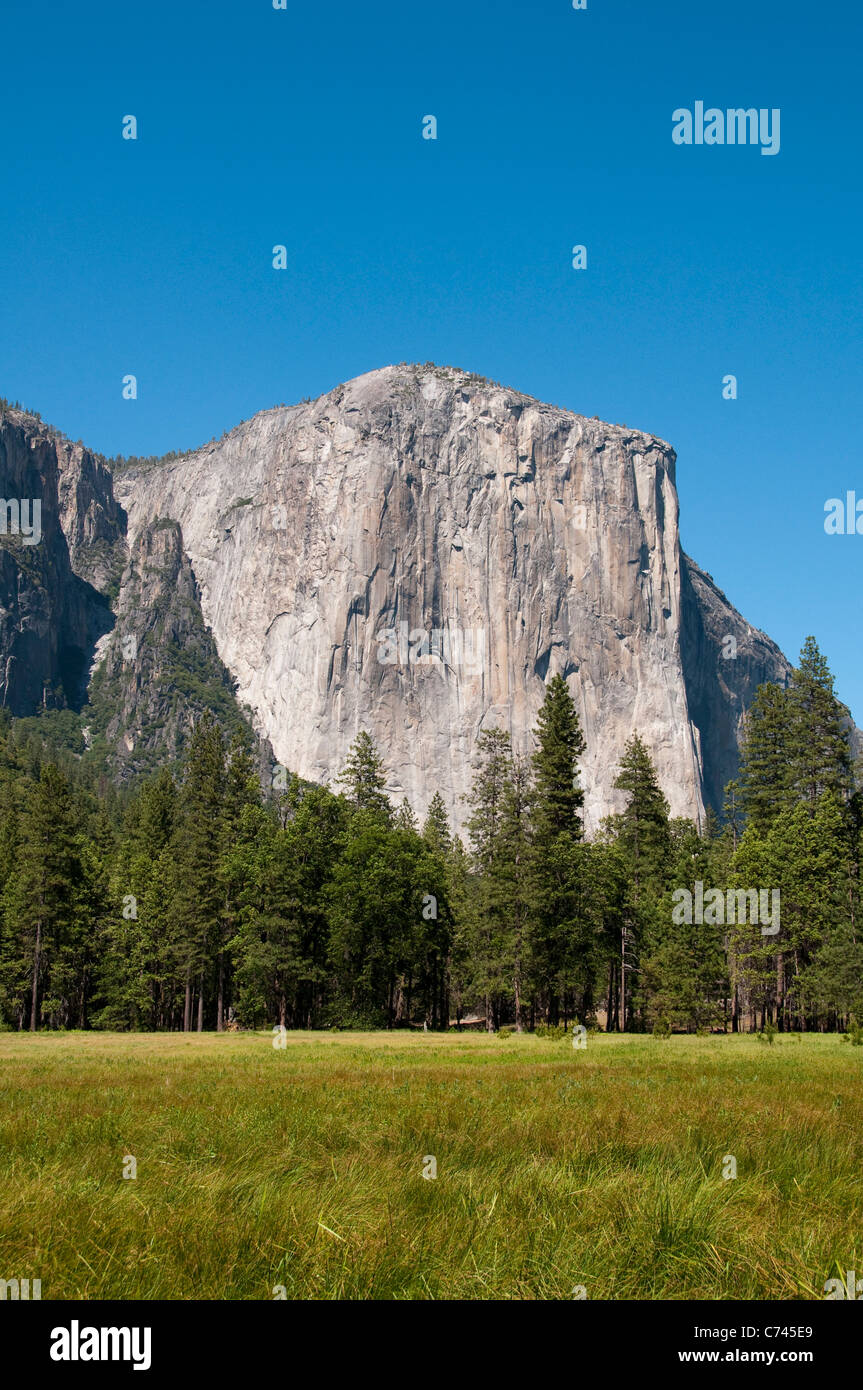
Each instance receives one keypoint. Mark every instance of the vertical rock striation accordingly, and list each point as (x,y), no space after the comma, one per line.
(418,500)
(51,616)
(158,671)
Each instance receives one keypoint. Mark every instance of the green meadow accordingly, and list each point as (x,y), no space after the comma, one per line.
(302,1169)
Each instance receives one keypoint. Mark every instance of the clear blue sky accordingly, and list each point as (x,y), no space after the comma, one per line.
(303,127)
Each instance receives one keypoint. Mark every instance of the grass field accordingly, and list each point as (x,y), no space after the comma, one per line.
(303,1167)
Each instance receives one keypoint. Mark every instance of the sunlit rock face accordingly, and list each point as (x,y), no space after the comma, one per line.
(524,540)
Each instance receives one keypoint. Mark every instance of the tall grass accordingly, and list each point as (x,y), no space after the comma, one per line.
(303,1167)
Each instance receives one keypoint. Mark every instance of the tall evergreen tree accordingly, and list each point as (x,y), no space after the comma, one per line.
(818,751)
(491,954)
(364,777)
(512,885)
(405,818)
(240,821)
(198,843)
(557,798)
(436,831)
(643,835)
(135,985)
(560,937)
(282,948)
(683,978)
(765,778)
(43,906)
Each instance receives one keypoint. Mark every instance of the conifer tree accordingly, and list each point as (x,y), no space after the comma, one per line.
(364,777)
(808,859)
(198,842)
(436,831)
(376,921)
(643,827)
(683,978)
(240,821)
(643,836)
(513,886)
(491,952)
(281,948)
(404,817)
(134,986)
(818,750)
(43,902)
(560,937)
(765,778)
(557,797)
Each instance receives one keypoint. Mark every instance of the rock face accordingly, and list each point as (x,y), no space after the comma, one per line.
(93,522)
(51,616)
(327,538)
(724,661)
(142,674)
(158,670)
(414,554)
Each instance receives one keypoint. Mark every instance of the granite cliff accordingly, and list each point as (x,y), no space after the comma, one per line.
(522,539)
(54,603)
(96,621)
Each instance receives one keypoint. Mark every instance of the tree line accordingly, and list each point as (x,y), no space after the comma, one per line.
(202,901)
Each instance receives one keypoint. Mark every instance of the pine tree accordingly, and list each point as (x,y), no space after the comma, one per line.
(364,777)
(198,841)
(43,906)
(643,828)
(404,817)
(436,831)
(809,859)
(683,978)
(487,796)
(241,819)
(818,749)
(281,948)
(557,798)
(375,921)
(765,779)
(643,836)
(134,979)
(559,938)
(733,812)
(267,949)
(491,954)
(513,874)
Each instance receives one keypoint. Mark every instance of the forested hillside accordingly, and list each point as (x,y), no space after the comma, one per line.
(203,901)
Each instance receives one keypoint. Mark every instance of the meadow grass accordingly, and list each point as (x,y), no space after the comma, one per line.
(303,1167)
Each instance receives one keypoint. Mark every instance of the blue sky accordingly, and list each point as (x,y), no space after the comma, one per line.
(303,127)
